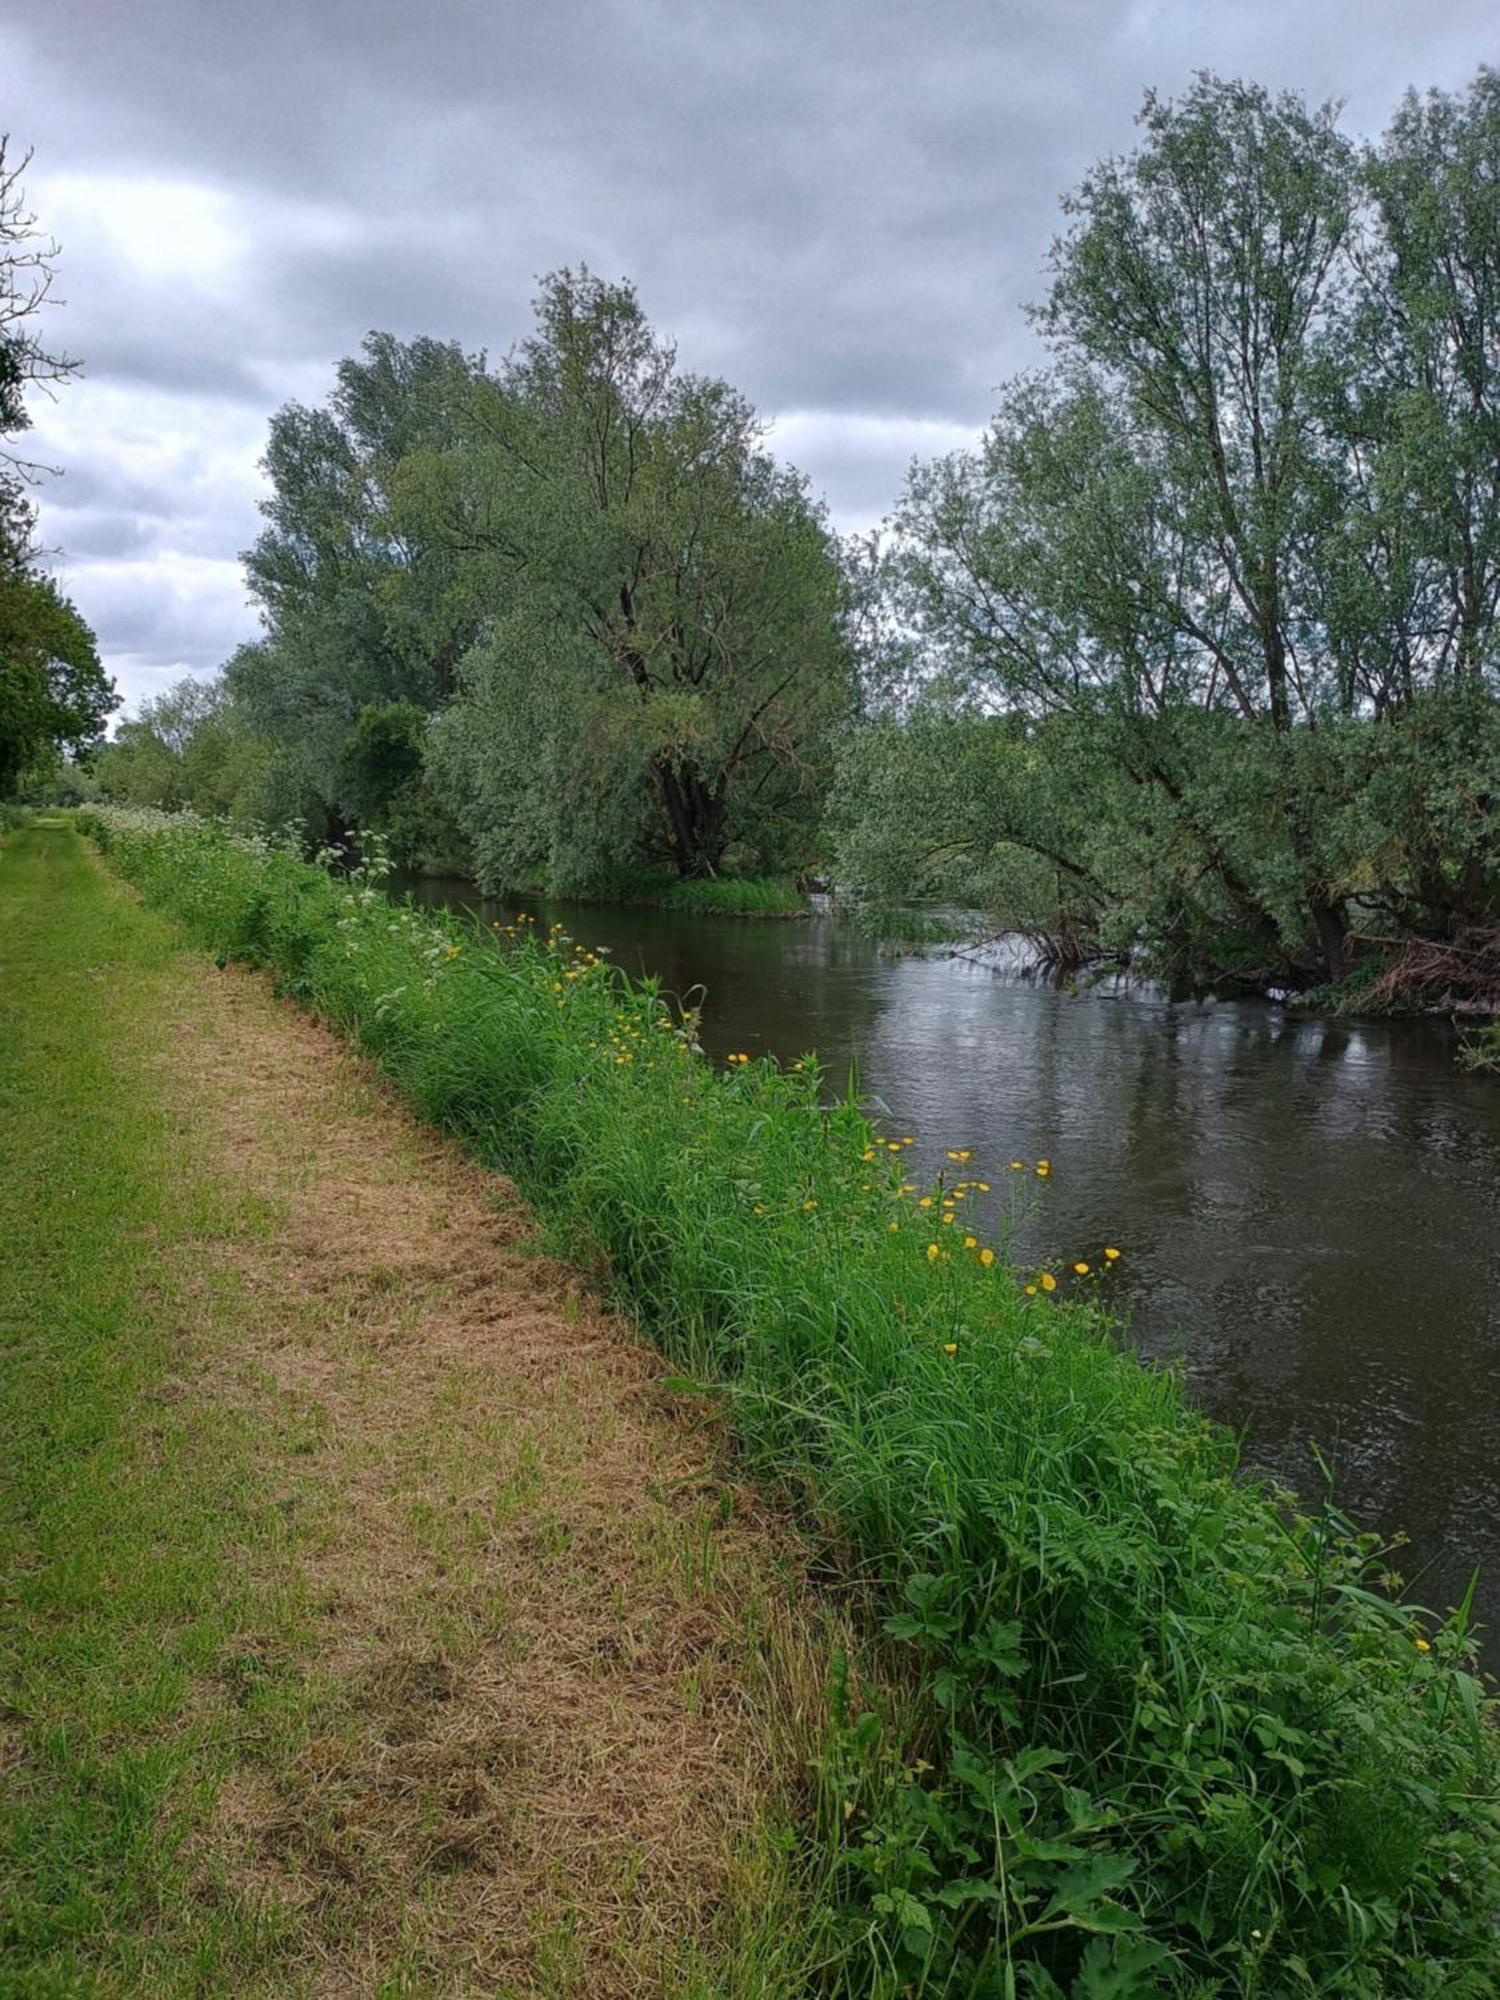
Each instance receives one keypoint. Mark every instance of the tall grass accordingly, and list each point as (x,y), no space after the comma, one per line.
(720,896)
(1174,1738)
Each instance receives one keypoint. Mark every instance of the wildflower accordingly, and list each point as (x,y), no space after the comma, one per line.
(967,1154)
(893,1145)
(1043,1168)
(1082,1269)
(1048,1282)
(933,1253)
(971,1243)
(809,1203)
(983,1186)
(925,1202)
(1031,1291)
(1111,1252)
(987,1257)
(1018,1166)
(868,1153)
(1422,1645)
(950,1347)
(760,1208)
(908,1142)
(799,1065)
(453,951)
(948,1218)
(893,1225)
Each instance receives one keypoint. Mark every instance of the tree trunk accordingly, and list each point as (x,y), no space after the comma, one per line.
(695,819)
(1330,926)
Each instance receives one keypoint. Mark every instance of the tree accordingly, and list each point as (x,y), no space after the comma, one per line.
(662,602)
(358,612)
(1249,514)
(53,692)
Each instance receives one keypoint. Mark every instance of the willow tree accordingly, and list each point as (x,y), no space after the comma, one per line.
(358,613)
(1236,549)
(663,656)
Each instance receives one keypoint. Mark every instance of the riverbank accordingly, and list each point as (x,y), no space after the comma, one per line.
(372,1623)
(1171,1733)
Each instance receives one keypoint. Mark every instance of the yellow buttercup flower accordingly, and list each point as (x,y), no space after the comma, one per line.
(950,1347)
(1018,1166)
(1044,1168)
(1082,1269)
(925,1202)
(1048,1282)
(986,1256)
(971,1243)
(933,1253)
(1031,1291)
(1110,1252)
(1422,1645)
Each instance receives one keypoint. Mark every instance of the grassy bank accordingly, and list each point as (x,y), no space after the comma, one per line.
(1174,1738)
(719,896)
(367,1626)
(125,1509)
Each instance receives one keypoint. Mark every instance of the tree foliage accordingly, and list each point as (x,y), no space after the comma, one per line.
(54,695)
(1231,560)
(575,585)
(663,650)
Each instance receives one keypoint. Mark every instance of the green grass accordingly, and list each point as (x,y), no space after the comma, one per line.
(721,896)
(158,1633)
(912,930)
(126,1503)
(1482,1050)
(1173,1736)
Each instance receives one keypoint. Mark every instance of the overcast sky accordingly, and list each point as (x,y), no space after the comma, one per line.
(840,205)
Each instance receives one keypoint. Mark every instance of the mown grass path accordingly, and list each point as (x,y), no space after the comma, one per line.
(368,1625)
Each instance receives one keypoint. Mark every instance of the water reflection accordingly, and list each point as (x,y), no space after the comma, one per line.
(1310,1210)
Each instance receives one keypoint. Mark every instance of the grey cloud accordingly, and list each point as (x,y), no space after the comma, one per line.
(841,207)
(85,532)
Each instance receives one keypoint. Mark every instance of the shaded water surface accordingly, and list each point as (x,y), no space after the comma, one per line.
(1309,1210)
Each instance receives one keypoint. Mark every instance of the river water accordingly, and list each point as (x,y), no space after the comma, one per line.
(1308,1210)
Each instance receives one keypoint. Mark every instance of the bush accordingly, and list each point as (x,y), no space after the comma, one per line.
(1172,1737)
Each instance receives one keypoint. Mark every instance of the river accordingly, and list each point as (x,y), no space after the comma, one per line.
(1308,1210)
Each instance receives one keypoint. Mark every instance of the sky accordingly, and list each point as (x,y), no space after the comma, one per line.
(842,206)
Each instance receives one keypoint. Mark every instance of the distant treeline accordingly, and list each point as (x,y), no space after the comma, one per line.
(1191,661)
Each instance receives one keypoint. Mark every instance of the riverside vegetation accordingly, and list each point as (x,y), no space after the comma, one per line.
(1189,664)
(1163,1731)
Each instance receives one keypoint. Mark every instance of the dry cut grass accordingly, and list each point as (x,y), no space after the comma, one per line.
(557,1668)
